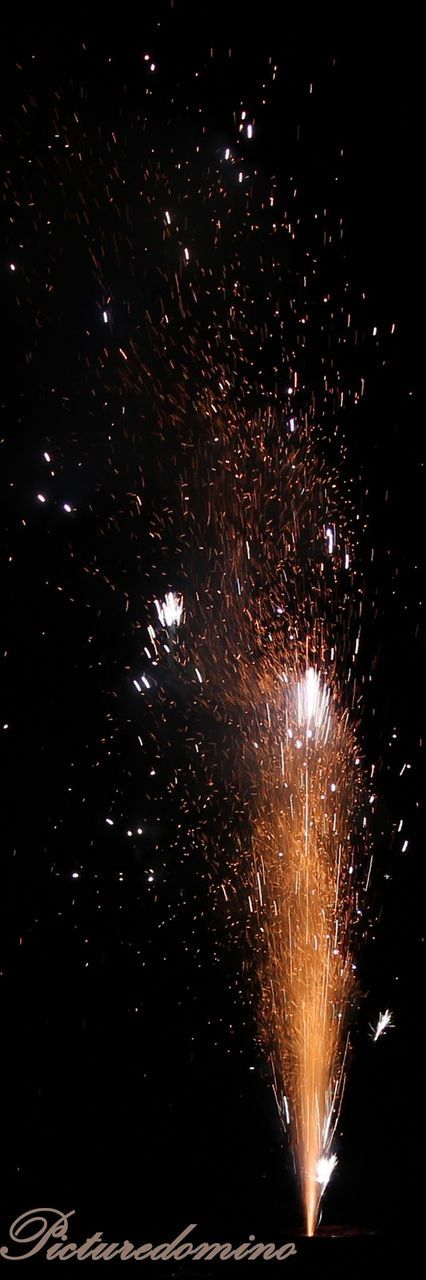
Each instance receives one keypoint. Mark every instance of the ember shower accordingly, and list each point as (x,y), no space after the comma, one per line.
(228,356)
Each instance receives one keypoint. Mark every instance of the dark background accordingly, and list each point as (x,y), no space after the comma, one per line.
(128,1085)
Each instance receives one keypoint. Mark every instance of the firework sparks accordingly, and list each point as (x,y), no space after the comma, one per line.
(383,1022)
(170,610)
(252,636)
(304,855)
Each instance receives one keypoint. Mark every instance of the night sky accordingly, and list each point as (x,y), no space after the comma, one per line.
(134,1089)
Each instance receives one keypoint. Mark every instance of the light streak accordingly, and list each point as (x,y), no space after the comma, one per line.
(170,609)
(383,1022)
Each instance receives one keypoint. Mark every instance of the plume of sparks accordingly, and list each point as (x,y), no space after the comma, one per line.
(266,549)
(307,902)
(265,631)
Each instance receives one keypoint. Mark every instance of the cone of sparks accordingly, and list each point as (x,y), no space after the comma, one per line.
(306,901)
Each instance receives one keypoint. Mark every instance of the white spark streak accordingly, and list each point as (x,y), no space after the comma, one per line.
(170,609)
(383,1021)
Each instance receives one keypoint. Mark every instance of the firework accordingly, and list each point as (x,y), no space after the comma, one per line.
(307,903)
(277,577)
(191,388)
(304,847)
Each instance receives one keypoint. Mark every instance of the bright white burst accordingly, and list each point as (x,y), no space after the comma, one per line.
(325,1167)
(170,609)
(313,700)
(383,1021)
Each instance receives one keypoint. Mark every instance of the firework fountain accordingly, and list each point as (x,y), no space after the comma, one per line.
(261,635)
(306,903)
(262,626)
